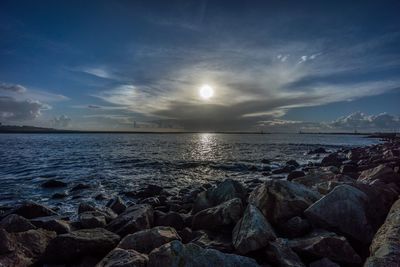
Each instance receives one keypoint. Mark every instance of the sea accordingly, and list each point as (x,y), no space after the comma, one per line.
(115,163)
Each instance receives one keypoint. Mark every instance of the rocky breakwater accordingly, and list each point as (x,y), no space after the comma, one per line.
(343,211)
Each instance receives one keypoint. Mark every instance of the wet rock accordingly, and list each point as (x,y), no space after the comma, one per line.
(295,227)
(227,213)
(92,219)
(53,184)
(292,162)
(147,240)
(295,174)
(84,207)
(319,150)
(381,173)
(133,219)
(280,254)
(124,258)
(332,160)
(149,191)
(226,190)
(31,210)
(14,223)
(59,195)
(107,213)
(325,245)
(117,205)
(75,245)
(385,248)
(172,219)
(177,254)
(348,168)
(285,169)
(52,223)
(153,201)
(280,200)
(343,210)
(24,248)
(252,232)
(80,187)
(324,262)
(266,161)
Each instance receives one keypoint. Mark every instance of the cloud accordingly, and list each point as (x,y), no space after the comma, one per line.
(61,121)
(14,110)
(15,88)
(360,121)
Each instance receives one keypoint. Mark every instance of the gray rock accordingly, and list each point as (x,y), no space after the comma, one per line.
(280,254)
(133,219)
(252,232)
(30,210)
(14,223)
(176,254)
(343,210)
(52,223)
(146,240)
(227,213)
(75,245)
(322,244)
(385,247)
(325,262)
(295,227)
(92,219)
(172,219)
(381,173)
(124,258)
(280,200)
(117,205)
(224,191)
(215,240)
(295,174)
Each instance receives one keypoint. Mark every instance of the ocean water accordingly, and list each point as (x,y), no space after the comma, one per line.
(114,163)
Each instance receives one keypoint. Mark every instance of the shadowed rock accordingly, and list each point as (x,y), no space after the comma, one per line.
(325,262)
(280,254)
(53,184)
(252,232)
(14,223)
(52,223)
(30,210)
(124,258)
(176,254)
(92,219)
(117,205)
(381,173)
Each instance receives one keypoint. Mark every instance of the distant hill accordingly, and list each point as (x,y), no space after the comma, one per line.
(28,129)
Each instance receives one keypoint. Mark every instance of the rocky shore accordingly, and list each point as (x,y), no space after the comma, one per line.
(343,211)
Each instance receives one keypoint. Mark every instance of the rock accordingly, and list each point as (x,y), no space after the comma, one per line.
(133,219)
(52,223)
(295,227)
(147,240)
(343,210)
(124,258)
(30,210)
(348,168)
(59,195)
(176,254)
(332,160)
(280,254)
(149,191)
(385,248)
(84,207)
(220,241)
(295,174)
(79,187)
(319,150)
(325,245)
(381,173)
(285,169)
(324,262)
(224,191)
(252,232)
(153,201)
(117,205)
(75,245)
(14,223)
(186,234)
(280,200)
(53,184)
(265,161)
(172,219)
(292,162)
(24,248)
(107,213)
(92,219)
(227,213)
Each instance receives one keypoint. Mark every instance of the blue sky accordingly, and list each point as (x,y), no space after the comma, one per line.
(138,65)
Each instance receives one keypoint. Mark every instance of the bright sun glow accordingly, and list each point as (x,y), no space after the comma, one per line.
(206,92)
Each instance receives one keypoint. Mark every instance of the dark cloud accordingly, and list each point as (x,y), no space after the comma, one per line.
(14,110)
(14,88)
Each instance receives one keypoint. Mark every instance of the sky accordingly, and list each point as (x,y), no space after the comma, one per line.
(139,65)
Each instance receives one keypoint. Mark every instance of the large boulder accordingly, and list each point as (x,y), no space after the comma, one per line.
(343,210)
(221,241)
(280,200)
(295,227)
(147,240)
(226,190)
(385,247)
(24,248)
(75,245)
(280,254)
(117,205)
(92,219)
(14,223)
(30,210)
(381,173)
(252,232)
(172,219)
(52,223)
(133,219)
(333,159)
(322,244)
(227,213)
(176,254)
(324,262)
(124,258)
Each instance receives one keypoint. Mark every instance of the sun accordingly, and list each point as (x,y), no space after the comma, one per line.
(206,92)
